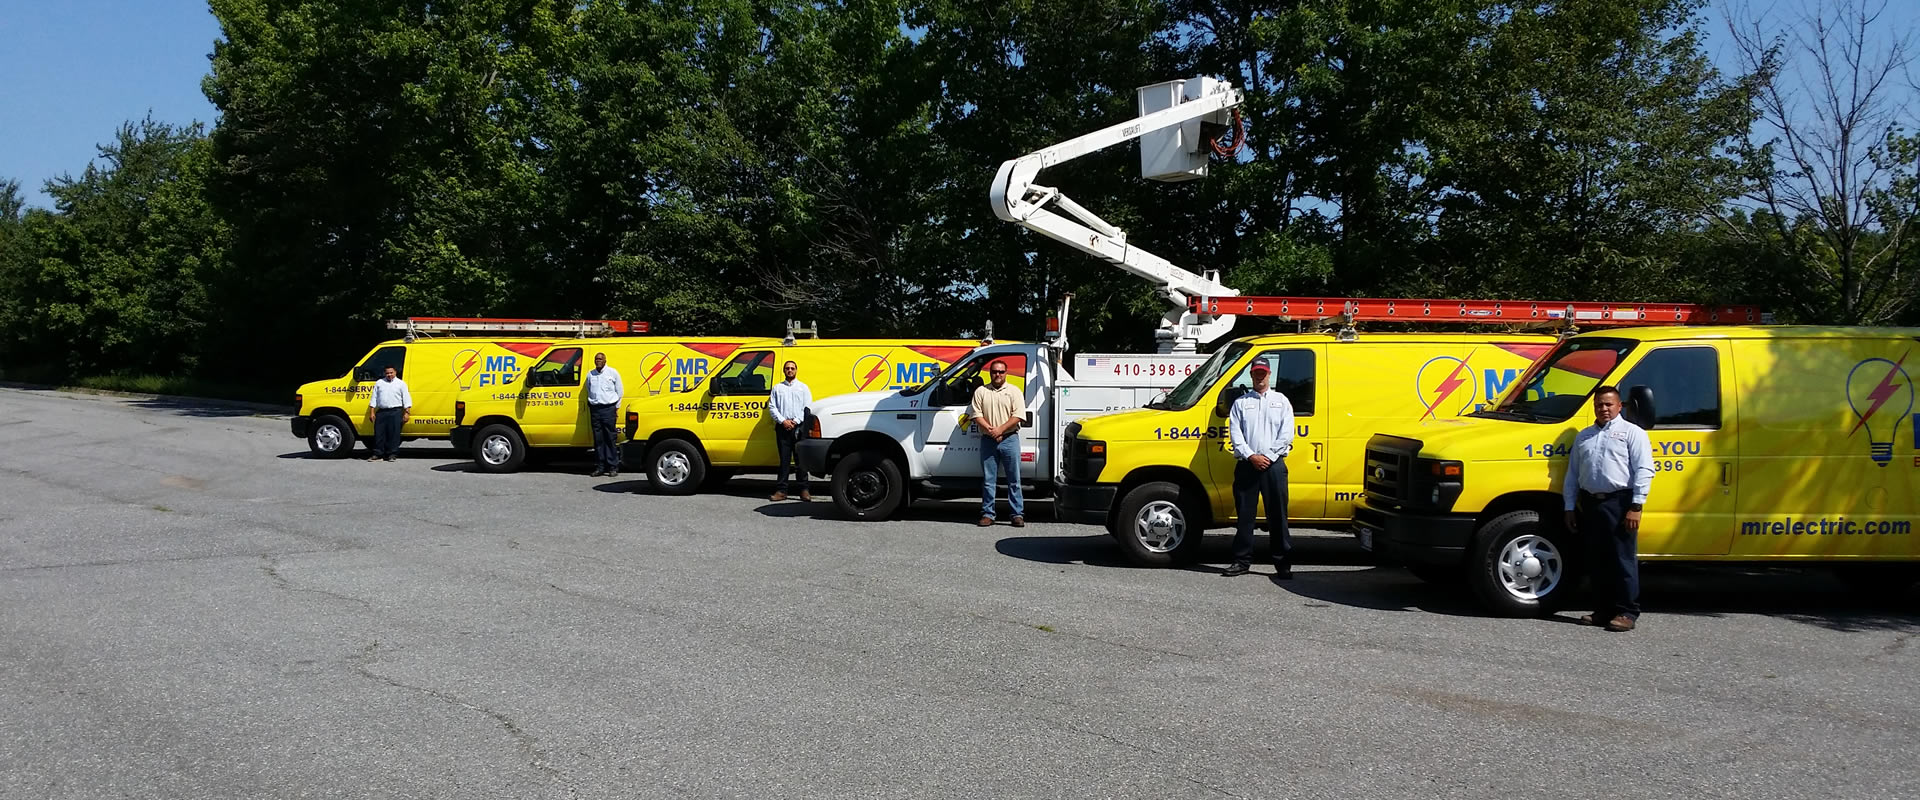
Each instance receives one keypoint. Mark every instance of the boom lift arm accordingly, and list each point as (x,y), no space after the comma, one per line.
(1016,198)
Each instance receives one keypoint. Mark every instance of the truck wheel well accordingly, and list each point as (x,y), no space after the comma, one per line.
(677,433)
(866,440)
(1178,476)
(330,411)
(1547,503)
(498,420)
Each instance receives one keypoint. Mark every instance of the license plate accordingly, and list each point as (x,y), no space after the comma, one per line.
(1366,538)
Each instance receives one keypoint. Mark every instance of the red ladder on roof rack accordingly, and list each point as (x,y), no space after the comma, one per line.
(1481,312)
(415,326)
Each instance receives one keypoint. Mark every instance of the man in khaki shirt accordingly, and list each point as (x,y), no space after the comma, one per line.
(998,410)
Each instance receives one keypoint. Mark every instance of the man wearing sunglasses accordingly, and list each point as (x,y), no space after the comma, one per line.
(997,411)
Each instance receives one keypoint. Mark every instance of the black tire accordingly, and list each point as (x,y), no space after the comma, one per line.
(867,486)
(499,449)
(1436,574)
(717,478)
(332,437)
(676,467)
(1158,525)
(1498,573)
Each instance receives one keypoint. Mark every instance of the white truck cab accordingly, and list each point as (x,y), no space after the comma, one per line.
(883,449)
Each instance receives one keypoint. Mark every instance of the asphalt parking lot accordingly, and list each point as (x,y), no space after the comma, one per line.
(191,607)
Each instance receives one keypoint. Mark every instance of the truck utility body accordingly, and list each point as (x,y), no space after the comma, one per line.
(881,449)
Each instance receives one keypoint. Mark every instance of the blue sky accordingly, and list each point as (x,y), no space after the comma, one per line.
(75,69)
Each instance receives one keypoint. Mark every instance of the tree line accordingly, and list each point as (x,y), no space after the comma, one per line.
(720,166)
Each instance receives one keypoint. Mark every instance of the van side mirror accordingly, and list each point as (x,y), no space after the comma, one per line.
(724,384)
(364,374)
(1223,407)
(1639,407)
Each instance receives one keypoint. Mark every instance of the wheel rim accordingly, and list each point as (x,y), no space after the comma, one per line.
(496,449)
(1529,567)
(1160,526)
(865,488)
(672,468)
(327,438)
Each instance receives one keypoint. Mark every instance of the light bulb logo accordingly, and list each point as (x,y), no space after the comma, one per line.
(1874,385)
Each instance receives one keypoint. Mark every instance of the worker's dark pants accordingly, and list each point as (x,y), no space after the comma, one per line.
(1613,552)
(386,430)
(606,435)
(788,442)
(1249,486)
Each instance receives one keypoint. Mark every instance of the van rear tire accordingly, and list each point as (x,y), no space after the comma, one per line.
(332,437)
(499,449)
(867,486)
(675,467)
(1157,525)
(1520,566)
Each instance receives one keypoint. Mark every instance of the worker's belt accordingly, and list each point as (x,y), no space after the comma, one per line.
(1604,496)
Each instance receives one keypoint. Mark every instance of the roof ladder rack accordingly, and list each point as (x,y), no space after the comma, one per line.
(1339,313)
(418,327)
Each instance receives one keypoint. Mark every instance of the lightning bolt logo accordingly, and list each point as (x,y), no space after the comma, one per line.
(1880,394)
(879,367)
(470,362)
(1447,387)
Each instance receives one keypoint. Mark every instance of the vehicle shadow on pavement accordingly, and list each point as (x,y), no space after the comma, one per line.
(362,454)
(1809,595)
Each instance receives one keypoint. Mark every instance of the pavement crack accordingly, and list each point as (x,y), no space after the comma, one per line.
(1898,644)
(1151,752)
(528,743)
(272,568)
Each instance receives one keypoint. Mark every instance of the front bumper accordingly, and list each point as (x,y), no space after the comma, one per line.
(633,451)
(813,455)
(1085,503)
(1414,537)
(461,436)
(302,426)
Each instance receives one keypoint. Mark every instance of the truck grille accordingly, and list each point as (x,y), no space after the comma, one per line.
(1388,459)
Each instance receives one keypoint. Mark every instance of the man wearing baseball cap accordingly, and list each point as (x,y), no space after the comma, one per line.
(1260,427)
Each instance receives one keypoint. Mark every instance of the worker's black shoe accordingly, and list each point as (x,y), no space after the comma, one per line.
(1236,568)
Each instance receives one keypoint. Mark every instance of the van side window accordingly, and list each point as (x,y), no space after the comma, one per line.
(1293,376)
(561,367)
(375,366)
(748,373)
(1685,383)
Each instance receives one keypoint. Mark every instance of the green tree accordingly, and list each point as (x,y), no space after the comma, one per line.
(112,278)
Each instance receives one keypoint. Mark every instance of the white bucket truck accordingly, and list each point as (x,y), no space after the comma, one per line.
(883,448)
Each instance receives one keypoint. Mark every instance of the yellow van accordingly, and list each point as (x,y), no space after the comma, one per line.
(1770,444)
(548,410)
(1158,477)
(705,434)
(331,414)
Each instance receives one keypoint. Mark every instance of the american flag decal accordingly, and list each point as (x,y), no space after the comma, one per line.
(1097,362)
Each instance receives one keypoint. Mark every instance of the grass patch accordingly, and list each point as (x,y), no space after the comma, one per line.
(1045,628)
(153,384)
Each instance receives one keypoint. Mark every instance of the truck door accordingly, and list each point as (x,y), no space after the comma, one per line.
(550,410)
(362,376)
(951,446)
(1296,375)
(733,419)
(1690,510)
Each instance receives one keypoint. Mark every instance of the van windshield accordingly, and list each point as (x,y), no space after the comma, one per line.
(1557,385)
(1196,384)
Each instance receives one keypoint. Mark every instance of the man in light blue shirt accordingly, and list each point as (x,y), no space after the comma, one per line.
(604,391)
(389,407)
(1260,429)
(788,408)
(1609,473)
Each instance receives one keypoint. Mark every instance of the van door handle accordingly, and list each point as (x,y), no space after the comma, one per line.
(1726,474)
(1316,452)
